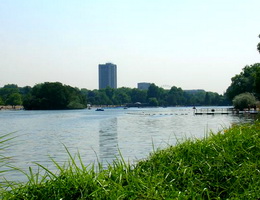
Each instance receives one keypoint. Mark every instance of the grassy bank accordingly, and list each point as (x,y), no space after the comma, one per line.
(222,166)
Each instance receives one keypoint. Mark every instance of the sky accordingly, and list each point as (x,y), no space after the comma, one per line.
(184,43)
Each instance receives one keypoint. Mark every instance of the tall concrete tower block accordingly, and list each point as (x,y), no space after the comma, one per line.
(107,75)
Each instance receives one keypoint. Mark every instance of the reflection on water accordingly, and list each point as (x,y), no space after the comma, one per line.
(108,144)
(99,135)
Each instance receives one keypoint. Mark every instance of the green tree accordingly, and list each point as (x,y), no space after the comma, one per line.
(258,46)
(156,92)
(244,82)
(76,98)
(223,101)
(7,90)
(91,96)
(211,98)
(11,86)
(153,101)
(215,100)
(104,99)
(122,96)
(138,95)
(257,82)
(244,100)
(195,98)
(76,103)
(1,102)
(153,91)
(99,97)
(25,90)
(207,100)
(54,95)
(14,99)
(175,97)
(110,92)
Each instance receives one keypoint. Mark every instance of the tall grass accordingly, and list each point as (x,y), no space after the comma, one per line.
(4,144)
(4,160)
(224,165)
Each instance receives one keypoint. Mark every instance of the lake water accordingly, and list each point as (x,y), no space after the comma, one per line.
(98,136)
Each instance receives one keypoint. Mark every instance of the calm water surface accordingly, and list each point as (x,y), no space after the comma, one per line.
(100,135)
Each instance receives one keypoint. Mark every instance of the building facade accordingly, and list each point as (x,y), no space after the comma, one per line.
(143,86)
(107,75)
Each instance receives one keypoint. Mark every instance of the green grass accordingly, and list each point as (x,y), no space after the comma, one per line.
(5,167)
(224,165)
(4,144)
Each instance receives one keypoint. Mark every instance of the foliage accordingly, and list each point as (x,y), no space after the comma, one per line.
(258,46)
(160,97)
(154,91)
(1,101)
(75,104)
(153,102)
(14,99)
(244,100)
(8,90)
(11,94)
(257,82)
(246,81)
(49,96)
(54,95)
(221,166)
(138,95)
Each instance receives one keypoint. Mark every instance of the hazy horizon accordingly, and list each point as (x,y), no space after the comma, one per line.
(187,44)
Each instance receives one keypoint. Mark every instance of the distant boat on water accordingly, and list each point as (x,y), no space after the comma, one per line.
(99,109)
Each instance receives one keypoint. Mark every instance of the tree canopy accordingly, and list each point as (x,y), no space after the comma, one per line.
(244,100)
(53,96)
(258,46)
(154,96)
(14,99)
(13,95)
(246,81)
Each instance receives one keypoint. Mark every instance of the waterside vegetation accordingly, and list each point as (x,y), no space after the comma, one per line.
(224,165)
(55,95)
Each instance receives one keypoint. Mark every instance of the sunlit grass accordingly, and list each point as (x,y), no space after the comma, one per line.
(5,142)
(224,165)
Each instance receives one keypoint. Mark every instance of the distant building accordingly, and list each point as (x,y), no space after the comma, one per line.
(107,75)
(143,86)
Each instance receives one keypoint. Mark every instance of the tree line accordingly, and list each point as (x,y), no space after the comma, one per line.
(244,90)
(154,96)
(55,95)
(43,96)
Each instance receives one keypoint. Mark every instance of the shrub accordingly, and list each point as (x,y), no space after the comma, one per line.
(244,100)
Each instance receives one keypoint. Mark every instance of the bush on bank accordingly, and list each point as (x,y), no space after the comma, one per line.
(224,165)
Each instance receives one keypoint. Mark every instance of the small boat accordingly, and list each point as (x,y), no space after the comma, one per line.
(99,109)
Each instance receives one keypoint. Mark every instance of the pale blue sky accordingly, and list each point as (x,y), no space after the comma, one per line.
(189,44)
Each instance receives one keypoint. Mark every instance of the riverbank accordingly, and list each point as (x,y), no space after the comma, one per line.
(221,166)
(19,107)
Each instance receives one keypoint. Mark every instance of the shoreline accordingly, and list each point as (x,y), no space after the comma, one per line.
(18,107)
